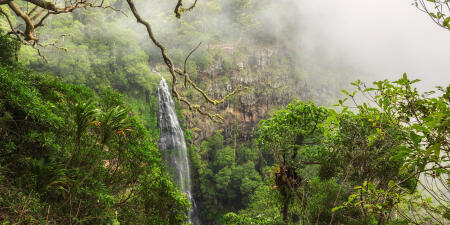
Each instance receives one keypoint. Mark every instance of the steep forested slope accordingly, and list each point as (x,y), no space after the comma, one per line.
(69,155)
(107,50)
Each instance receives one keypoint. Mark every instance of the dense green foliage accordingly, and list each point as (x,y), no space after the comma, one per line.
(368,166)
(9,47)
(226,177)
(69,156)
(75,151)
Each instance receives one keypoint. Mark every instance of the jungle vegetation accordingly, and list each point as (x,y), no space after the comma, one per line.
(78,122)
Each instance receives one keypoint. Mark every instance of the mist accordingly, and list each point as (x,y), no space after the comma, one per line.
(379,39)
(252,120)
(383,38)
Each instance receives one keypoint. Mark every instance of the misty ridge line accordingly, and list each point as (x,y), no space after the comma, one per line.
(378,38)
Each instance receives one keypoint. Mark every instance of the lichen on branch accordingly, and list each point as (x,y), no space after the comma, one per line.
(174,71)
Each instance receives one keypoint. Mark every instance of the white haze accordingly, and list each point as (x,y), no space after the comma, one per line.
(384,38)
(380,38)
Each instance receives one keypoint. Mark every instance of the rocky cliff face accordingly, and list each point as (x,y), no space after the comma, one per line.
(269,76)
(273,74)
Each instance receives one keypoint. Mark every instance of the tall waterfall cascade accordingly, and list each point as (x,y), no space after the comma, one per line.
(173,146)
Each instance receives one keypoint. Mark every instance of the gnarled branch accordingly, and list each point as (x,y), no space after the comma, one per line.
(41,7)
(29,24)
(47,8)
(44,4)
(176,71)
(179,8)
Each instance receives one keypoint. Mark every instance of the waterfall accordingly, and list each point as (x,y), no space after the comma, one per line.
(173,146)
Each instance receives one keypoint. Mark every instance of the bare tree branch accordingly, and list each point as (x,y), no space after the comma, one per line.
(44,4)
(28,21)
(179,8)
(40,7)
(10,24)
(176,71)
(32,10)
(189,55)
(48,8)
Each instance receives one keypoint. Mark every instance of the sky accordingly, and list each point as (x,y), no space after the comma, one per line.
(383,38)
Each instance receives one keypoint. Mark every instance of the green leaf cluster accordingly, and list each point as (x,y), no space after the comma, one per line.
(70,156)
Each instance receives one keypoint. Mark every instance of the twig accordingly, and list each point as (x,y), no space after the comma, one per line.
(175,71)
(179,8)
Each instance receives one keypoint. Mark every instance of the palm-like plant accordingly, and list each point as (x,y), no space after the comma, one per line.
(110,123)
(84,115)
(113,122)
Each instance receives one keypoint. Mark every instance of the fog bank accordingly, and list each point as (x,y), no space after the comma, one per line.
(384,38)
